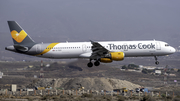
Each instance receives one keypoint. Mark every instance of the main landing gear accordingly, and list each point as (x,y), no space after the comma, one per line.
(90,64)
(157,62)
(96,63)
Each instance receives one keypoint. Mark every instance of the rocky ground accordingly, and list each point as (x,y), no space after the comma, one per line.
(98,84)
(67,74)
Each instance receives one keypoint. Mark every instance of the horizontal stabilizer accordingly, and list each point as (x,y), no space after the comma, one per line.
(21,48)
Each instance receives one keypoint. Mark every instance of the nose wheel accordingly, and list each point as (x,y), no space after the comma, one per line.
(157,62)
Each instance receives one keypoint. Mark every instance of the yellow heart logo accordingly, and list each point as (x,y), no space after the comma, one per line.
(19,37)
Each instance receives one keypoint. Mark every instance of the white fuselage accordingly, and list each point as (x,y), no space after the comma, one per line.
(129,48)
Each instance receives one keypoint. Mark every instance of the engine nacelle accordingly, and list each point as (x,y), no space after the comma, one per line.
(116,56)
(106,60)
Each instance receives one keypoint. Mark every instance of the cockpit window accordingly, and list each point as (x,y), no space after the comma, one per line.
(166,45)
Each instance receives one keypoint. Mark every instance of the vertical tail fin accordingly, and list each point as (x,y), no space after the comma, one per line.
(20,37)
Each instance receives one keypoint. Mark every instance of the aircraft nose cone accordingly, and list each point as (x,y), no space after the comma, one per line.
(173,50)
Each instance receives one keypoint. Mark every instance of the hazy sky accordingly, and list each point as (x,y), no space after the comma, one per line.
(84,20)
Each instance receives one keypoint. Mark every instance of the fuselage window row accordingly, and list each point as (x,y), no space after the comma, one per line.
(68,47)
(62,47)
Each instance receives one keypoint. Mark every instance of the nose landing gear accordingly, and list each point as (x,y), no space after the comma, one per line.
(157,62)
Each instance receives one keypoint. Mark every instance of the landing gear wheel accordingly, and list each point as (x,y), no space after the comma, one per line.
(90,64)
(157,62)
(97,63)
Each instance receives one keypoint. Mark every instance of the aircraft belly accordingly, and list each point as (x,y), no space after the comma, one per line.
(136,53)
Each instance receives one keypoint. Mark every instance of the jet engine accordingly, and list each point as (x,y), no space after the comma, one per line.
(106,60)
(113,56)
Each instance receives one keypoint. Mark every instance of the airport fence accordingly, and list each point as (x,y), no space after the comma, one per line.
(93,92)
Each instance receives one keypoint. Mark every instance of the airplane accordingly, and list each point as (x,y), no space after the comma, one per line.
(102,51)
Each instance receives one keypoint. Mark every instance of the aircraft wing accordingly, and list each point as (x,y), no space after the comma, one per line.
(98,51)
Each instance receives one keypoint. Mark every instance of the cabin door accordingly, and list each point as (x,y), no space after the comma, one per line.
(158,46)
(84,49)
